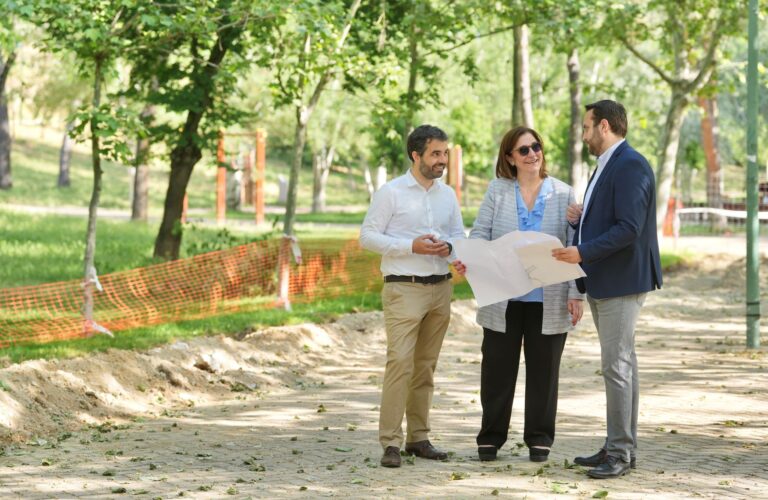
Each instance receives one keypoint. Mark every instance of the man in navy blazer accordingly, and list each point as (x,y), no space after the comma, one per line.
(617,246)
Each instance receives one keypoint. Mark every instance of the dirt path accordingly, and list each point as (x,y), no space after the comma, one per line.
(292,412)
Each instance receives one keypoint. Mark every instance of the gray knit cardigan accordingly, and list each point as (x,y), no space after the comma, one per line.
(498,216)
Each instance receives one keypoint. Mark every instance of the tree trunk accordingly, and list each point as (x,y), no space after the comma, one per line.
(321,168)
(6,180)
(187,153)
(522,109)
(668,146)
(65,157)
(89,270)
(140,202)
(709,141)
(299,140)
(578,173)
(184,157)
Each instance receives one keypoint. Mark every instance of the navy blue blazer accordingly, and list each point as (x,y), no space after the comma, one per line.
(619,247)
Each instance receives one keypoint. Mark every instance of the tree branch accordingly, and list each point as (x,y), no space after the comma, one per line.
(467,42)
(706,65)
(650,63)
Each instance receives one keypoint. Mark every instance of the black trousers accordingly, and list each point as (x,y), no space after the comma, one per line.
(498,376)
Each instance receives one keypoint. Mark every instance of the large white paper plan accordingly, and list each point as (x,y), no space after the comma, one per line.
(512,265)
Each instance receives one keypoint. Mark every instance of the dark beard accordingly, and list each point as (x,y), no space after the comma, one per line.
(428,173)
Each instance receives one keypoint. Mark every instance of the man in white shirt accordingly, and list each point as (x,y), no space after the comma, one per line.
(411,223)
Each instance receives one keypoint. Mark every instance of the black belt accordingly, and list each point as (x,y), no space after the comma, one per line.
(424,280)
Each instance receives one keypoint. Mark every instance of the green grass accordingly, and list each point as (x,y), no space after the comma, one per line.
(229,324)
(35,156)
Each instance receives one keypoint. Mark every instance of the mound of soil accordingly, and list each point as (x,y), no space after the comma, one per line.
(40,399)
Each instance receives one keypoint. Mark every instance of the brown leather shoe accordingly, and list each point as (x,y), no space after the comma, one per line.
(391,457)
(424,449)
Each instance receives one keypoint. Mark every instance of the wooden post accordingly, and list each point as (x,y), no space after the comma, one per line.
(258,176)
(455,171)
(221,182)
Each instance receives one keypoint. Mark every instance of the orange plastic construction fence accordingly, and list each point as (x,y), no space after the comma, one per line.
(236,279)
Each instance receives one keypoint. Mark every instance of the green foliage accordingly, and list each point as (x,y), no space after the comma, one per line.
(472,130)
(693,155)
(115,127)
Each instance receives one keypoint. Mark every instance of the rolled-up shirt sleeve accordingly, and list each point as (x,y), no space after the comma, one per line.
(372,232)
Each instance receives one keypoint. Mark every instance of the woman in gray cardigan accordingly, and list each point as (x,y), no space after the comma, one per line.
(524,198)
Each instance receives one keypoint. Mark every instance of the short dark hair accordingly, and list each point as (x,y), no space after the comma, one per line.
(611,111)
(421,136)
(506,170)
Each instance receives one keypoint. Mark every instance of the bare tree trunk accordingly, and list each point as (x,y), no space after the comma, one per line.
(321,167)
(668,146)
(65,157)
(578,173)
(89,270)
(522,108)
(6,180)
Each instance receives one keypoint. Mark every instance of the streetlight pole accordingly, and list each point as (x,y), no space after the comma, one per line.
(753,223)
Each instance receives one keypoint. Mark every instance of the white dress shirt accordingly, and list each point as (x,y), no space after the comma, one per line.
(403,210)
(602,161)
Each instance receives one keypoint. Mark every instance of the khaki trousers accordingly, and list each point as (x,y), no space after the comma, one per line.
(416,317)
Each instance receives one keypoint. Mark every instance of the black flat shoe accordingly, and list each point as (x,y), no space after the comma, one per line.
(538,454)
(487,453)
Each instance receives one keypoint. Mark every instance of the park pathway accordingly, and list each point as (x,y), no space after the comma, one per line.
(703,423)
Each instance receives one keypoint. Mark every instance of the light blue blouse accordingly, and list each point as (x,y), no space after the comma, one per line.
(530,220)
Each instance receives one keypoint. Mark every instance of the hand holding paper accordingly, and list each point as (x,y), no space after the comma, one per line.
(513,265)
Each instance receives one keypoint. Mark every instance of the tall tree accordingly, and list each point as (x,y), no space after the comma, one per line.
(6,181)
(93,32)
(8,45)
(688,33)
(311,52)
(409,46)
(195,55)
(522,106)
(572,26)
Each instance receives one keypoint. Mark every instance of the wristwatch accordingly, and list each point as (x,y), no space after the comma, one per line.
(450,247)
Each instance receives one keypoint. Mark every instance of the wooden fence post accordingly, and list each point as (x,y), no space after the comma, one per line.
(258,177)
(455,171)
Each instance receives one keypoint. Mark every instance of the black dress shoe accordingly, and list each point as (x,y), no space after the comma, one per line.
(611,468)
(598,458)
(391,457)
(538,454)
(487,453)
(424,449)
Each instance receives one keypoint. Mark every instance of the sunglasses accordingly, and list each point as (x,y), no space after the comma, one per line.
(524,150)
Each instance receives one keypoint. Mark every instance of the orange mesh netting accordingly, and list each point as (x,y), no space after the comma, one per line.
(237,279)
